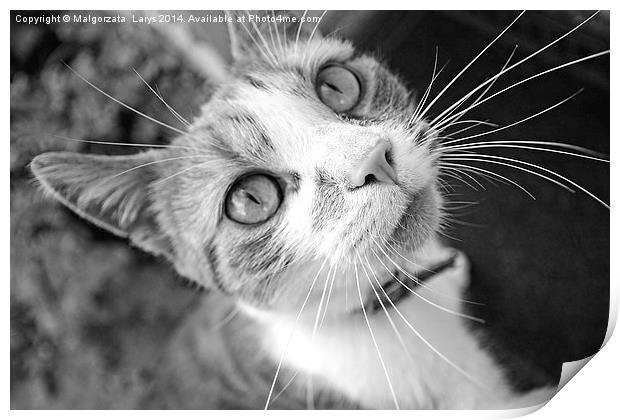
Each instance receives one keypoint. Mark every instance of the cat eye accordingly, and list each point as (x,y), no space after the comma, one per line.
(253,199)
(338,88)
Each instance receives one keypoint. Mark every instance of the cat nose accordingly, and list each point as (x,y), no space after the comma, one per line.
(374,167)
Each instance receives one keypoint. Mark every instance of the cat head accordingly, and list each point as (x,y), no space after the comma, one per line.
(305,161)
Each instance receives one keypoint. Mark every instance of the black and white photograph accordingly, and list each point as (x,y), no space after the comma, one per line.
(306,209)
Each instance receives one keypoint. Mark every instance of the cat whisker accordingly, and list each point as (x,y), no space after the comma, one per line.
(305,56)
(260,48)
(229,317)
(285,387)
(429,345)
(456,116)
(174,112)
(449,172)
(450,136)
(309,382)
(113,143)
(394,225)
(285,41)
(499,74)
(445,186)
(389,318)
(301,23)
(499,144)
(482,172)
(374,340)
(271,37)
(493,180)
(568,146)
(182,171)
(439,95)
(474,124)
(281,41)
(478,122)
(148,117)
(459,213)
(488,88)
(454,238)
(329,293)
(463,202)
(382,238)
(153,163)
(107,95)
(265,43)
(394,250)
(502,160)
(412,278)
(338,29)
(426,92)
(505,127)
(514,85)
(415,117)
(446,169)
(158,95)
(303,305)
(320,307)
(484,92)
(449,220)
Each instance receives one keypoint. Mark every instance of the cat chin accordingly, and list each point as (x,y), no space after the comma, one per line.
(419,221)
(341,293)
(408,229)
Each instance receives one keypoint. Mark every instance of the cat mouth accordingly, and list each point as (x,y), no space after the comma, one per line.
(400,284)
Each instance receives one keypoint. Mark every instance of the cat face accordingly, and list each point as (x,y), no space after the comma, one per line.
(304,159)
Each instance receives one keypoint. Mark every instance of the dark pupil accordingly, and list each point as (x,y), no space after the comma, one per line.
(252,197)
(333,87)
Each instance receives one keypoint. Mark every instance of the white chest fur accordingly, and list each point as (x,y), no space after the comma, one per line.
(431,357)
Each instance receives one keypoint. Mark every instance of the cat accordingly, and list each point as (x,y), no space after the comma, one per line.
(307,199)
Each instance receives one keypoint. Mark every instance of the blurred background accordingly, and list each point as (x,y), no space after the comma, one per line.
(90,316)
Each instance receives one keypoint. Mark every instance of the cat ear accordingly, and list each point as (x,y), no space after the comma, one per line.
(262,33)
(106,191)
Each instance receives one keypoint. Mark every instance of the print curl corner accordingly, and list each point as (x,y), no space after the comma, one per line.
(571,368)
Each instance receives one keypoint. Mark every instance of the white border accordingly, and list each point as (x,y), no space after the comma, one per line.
(593,393)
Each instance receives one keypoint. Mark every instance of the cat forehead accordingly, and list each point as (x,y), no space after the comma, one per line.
(293,102)
(293,69)
(261,126)
(297,56)
(267,110)
(290,87)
